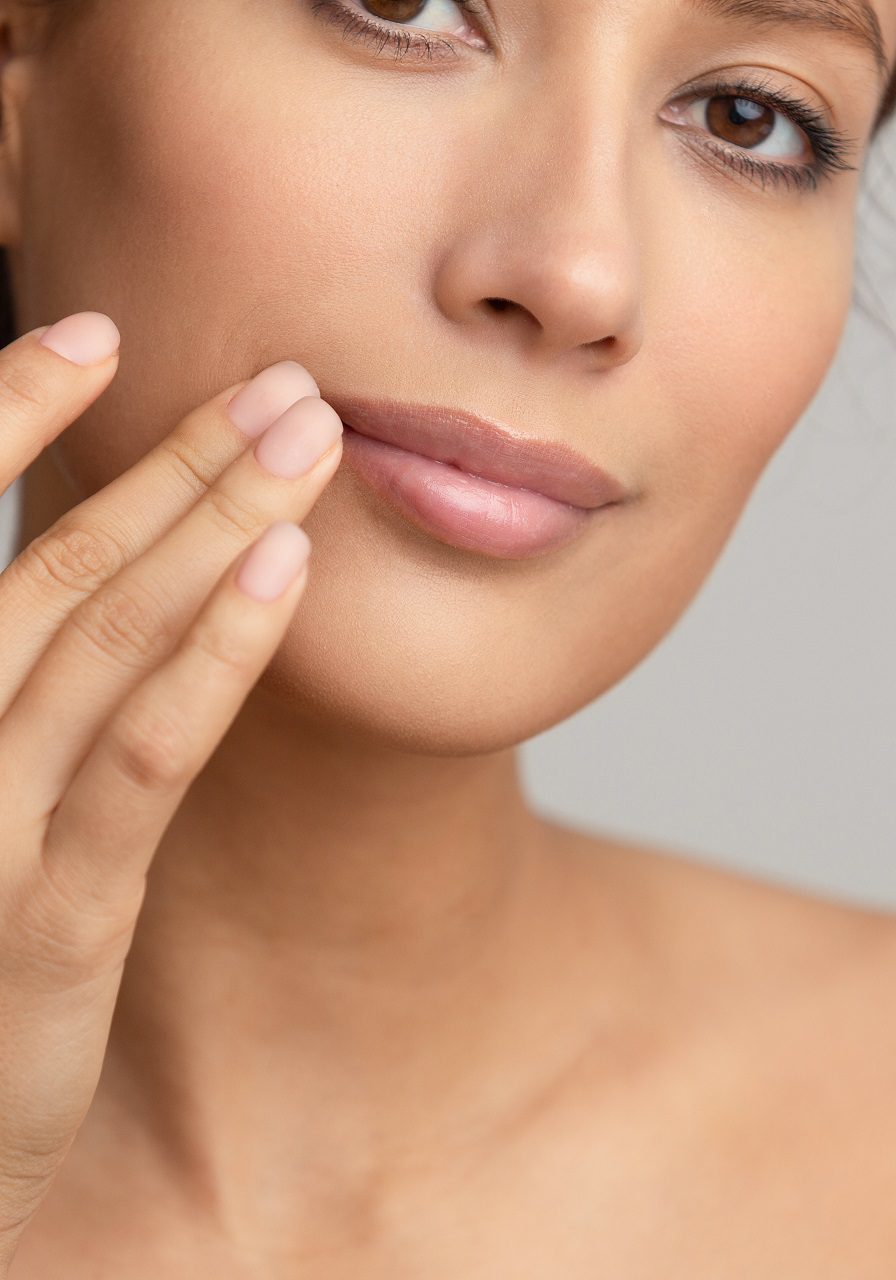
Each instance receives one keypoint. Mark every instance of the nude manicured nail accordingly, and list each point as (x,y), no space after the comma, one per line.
(262,401)
(274,561)
(87,337)
(293,444)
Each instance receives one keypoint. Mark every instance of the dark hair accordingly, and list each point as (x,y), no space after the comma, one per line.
(9,327)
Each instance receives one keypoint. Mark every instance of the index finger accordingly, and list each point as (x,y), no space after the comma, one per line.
(48,377)
(101,535)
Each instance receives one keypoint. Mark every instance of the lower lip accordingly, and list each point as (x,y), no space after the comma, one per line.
(462,509)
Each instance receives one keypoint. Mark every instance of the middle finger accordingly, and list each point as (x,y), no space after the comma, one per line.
(95,539)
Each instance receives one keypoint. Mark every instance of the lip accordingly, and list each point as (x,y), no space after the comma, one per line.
(473,481)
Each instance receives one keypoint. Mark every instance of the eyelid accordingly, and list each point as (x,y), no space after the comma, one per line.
(418,42)
(689,100)
(797,113)
(830,146)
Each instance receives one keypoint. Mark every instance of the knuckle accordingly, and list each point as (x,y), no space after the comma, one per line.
(151,749)
(222,649)
(123,624)
(233,516)
(72,557)
(23,392)
(189,464)
(65,936)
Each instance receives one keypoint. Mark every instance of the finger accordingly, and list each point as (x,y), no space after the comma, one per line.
(104,833)
(48,377)
(92,542)
(131,623)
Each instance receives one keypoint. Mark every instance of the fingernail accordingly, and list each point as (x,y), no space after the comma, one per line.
(87,337)
(261,401)
(274,561)
(293,444)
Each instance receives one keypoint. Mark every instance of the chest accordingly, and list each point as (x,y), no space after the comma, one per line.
(802,1197)
(785,1167)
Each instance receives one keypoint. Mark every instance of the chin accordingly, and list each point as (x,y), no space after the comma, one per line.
(413,645)
(404,716)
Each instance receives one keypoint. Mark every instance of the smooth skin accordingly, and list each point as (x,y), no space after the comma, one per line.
(160,679)
(297,980)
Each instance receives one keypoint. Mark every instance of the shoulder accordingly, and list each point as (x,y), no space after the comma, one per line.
(778,1007)
(726,935)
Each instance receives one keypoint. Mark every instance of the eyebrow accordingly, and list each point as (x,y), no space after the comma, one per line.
(853,20)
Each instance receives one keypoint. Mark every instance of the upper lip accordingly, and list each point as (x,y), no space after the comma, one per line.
(482,446)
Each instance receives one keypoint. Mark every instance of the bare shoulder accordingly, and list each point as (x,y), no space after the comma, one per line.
(781,1003)
(730,933)
(769,1104)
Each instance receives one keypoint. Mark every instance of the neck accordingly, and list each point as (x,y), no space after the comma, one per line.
(341,939)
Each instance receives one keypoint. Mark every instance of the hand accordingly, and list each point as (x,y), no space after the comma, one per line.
(128,644)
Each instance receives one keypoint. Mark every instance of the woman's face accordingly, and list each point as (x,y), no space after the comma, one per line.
(237,183)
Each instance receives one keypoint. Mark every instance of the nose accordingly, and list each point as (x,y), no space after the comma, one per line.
(544,254)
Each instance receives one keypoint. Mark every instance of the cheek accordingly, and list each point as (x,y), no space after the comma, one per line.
(219,242)
(740,341)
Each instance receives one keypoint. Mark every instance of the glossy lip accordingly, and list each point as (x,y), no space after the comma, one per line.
(482,447)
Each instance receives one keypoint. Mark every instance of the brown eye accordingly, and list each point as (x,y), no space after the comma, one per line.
(740,120)
(747,124)
(753,126)
(395,10)
(425,29)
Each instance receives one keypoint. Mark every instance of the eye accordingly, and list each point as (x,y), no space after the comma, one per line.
(744,122)
(385,23)
(766,134)
(439,13)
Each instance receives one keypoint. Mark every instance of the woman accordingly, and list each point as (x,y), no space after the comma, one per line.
(294,980)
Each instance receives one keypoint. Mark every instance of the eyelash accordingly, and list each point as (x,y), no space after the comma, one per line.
(372,31)
(831,146)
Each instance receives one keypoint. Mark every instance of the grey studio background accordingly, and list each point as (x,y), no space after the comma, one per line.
(761,734)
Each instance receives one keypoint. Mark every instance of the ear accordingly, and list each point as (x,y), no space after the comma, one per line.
(17,45)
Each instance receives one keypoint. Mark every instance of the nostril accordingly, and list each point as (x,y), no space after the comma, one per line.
(499,304)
